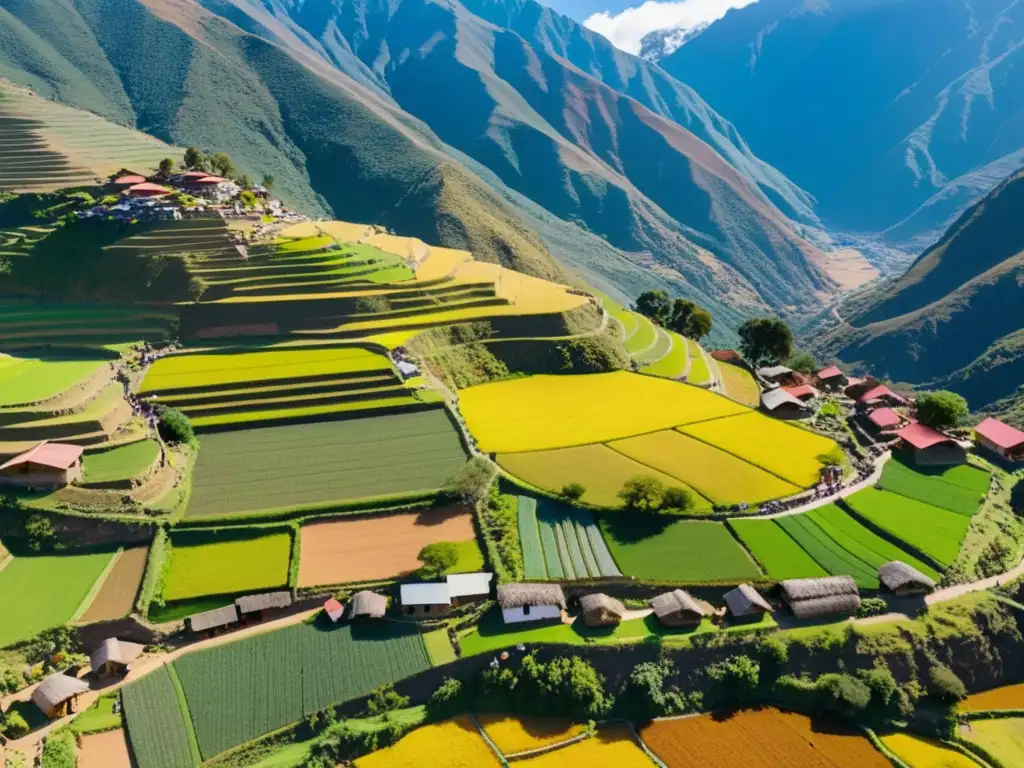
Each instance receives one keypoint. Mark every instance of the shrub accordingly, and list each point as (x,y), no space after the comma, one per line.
(737,677)
(941,409)
(563,686)
(447,700)
(872,606)
(945,685)
(13,725)
(174,426)
(385,699)
(844,694)
(574,491)
(470,484)
(644,493)
(372,305)
(644,694)
(437,558)
(59,750)
(773,651)
(677,499)
(40,534)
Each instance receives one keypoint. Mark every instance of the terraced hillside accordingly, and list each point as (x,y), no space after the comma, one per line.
(45,146)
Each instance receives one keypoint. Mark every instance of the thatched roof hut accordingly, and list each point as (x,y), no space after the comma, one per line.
(746,601)
(600,610)
(522,595)
(114,656)
(679,608)
(263,602)
(366,603)
(55,696)
(810,598)
(218,617)
(904,579)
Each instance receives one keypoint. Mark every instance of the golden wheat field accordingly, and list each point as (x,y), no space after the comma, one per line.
(610,747)
(455,743)
(1005,697)
(513,734)
(1002,738)
(918,752)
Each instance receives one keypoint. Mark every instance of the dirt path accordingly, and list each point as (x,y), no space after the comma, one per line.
(849,490)
(717,383)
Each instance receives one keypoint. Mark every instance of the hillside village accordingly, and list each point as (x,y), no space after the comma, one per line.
(343,495)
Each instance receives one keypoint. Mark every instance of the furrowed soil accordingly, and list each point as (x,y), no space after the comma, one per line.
(104,750)
(117,595)
(376,548)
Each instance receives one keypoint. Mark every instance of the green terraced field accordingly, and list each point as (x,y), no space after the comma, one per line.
(775,549)
(828,553)
(320,464)
(121,463)
(936,532)
(933,489)
(529,538)
(201,565)
(26,381)
(662,548)
(699,372)
(644,336)
(158,722)
(673,364)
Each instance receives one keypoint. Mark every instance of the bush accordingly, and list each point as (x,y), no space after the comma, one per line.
(13,725)
(941,409)
(59,750)
(372,305)
(872,606)
(574,491)
(945,685)
(644,493)
(645,695)
(437,558)
(773,651)
(676,499)
(470,484)
(737,678)
(385,699)
(447,700)
(174,426)
(844,694)
(563,686)
(40,534)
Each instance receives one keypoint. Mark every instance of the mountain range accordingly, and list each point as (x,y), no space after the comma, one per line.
(895,115)
(494,125)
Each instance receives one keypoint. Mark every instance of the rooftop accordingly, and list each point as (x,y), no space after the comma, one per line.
(264,601)
(218,617)
(897,575)
(831,372)
(884,417)
(774,398)
(56,689)
(116,650)
(803,390)
(745,601)
(772,371)
(366,603)
(880,391)
(464,584)
(55,455)
(1001,434)
(521,595)
(425,594)
(921,436)
(675,601)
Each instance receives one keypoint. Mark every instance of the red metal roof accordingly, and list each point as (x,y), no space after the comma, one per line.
(829,373)
(129,180)
(195,174)
(146,188)
(884,417)
(1001,434)
(332,605)
(802,391)
(881,391)
(921,437)
(56,455)
(210,180)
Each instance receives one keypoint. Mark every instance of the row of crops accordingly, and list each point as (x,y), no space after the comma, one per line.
(561,542)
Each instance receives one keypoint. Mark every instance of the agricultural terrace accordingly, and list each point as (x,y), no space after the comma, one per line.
(241,690)
(612,745)
(739,384)
(225,562)
(80,331)
(24,381)
(919,751)
(961,491)
(661,548)
(116,597)
(119,464)
(1004,697)
(512,734)
(779,555)
(370,548)
(316,465)
(454,743)
(44,591)
(203,239)
(936,533)
(766,738)
(158,721)
(561,542)
(674,363)
(1002,738)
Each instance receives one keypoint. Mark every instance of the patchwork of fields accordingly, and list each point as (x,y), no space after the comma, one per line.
(330,462)
(560,542)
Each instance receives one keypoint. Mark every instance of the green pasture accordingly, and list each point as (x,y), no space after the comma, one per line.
(32,380)
(330,462)
(828,553)
(933,531)
(121,463)
(699,372)
(781,557)
(673,363)
(663,548)
(238,691)
(158,722)
(933,489)
(99,717)
(225,567)
(643,338)
(44,591)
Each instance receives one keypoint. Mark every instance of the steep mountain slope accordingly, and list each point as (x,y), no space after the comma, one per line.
(432,119)
(894,114)
(956,318)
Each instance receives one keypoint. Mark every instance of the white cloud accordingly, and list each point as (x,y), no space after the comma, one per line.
(627,29)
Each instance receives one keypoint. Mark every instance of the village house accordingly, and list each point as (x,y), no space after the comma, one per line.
(213,188)
(600,610)
(857,387)
(879,396)
(779,374)
(679,608)
(746,603)
(469,587)
(903,579)
(425,600)
(782,405)
(831,379)
(366,604)
(929,447)
(811,598)
(147,190)
(334,610)
(57,696)
(803,392)
(114,657)
(882,423)
(263,605)
(209,622)
(48,465)
(1003,440)
(530,602)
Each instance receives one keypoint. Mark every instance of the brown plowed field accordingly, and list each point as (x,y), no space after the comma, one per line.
(377,547)
(765,738)
(117,595)
(104,750)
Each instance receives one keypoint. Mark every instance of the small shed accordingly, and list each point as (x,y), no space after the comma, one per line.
(114,657)
(746,602)
(334,610)
(831,378)
(211,621)
(780,404)
(264,603)
(368,604)
(469,587)
(57,696)
(884,420)
(903,579)
(881,395)
(1003,440)
(778,374)
(803,392)
(530,602)
(425,600)
(47,465)
(929,447)
(600,610)
(811,598)
(679,608)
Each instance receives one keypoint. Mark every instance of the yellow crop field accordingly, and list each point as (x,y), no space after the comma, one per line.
(1005,697)
(520,734)
(1002,738)
(784,450)
(441,263)
(601,470)
(411,249)
(720,476)
(543,412)
(345,231)
(740,385)
(611,747)
(454,743)
(918,752)
(529,294)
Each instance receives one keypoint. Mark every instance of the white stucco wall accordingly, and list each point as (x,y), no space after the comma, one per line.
(537,612)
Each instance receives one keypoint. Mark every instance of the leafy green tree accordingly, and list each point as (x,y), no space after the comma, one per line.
(385,699)
(166,166)
(940,409)
(644,493)
(844,693)
(446,700)
(944,684)
(655,305)
(689,319)
(437,558)
(677,499)
(801,361)
(40,533)
(268,181)
(765,340)
(646,693)
(220,163)
(565,685)
(13,725)
(470,484)
(574,491)
(737,677)
(195,160)
(174,426)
